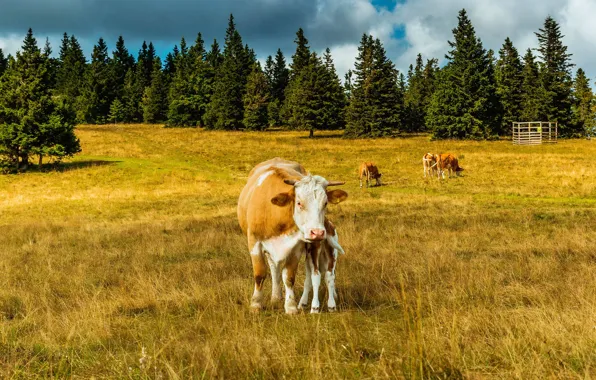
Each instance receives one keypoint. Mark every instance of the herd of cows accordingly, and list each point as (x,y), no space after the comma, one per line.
(281,210)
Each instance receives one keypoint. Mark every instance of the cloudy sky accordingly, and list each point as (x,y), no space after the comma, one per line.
(406,27)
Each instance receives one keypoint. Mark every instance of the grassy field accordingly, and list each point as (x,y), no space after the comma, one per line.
(129,263)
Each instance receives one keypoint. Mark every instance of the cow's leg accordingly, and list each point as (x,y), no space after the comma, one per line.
(329,264)
(361,181)
(307,284)
(275,281)
(315,277)
(289,275)
(259,269)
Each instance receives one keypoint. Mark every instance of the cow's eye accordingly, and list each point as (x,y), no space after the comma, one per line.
(299,204)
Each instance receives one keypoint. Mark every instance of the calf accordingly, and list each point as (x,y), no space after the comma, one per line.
(369,171)
(429,164)
(321,256)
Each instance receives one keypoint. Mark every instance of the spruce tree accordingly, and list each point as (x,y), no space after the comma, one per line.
(348,85)
(98,91)
(376,103)
(414,102)
(531,90)
(117,111)
(70,77)
(555,76)
(155,98)
(256,100)
(121,62)
(583,104)
(226,109)
(509,79)
(279,76)
(465,104)
(333,99)
(52,64)
(3,63)
(31,120)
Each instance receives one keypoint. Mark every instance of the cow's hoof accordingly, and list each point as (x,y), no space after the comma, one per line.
(303,306)
(291,310)
(314,310)
(332,309)
(256,307)
(276,302)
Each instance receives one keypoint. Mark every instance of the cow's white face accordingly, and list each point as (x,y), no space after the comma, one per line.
(310,198)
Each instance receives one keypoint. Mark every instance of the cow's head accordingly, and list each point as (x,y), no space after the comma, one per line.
(310,198)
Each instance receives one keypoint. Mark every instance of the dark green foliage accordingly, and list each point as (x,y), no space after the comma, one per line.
(226,110)
(70,77)
(121,62)
(52,64)
(117,111)
(348,85)
(301,57)
(132,96)
(509,80)
(31,121)
(583,104)
(190,87)
(421,85)
(155,98)
(315,100)
(99,86)
(465,104)
(3,63)
(256,100)
(555,77)
(278,76)
(376,102)
(531,90)
(333,98)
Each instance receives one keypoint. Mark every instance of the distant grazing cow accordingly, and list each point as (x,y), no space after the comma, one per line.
(321,256)
(282,212)
(448,161)
(369,171)
(429,164)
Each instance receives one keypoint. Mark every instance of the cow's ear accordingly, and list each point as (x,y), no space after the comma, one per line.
(336,196)
(281,199)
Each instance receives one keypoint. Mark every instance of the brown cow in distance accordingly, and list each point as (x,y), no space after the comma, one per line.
(369,171)
(429,164)
(448,162)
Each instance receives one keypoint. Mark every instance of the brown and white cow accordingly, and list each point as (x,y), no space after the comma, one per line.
(282,211)
(321,256)
(369,171)
(429,164)
(448,162)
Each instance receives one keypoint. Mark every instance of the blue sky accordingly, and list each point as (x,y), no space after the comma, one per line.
(405,27)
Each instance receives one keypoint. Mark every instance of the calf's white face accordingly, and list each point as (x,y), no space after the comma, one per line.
(310,198)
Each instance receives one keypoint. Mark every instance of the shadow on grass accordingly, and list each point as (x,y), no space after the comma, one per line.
(75,165)
(315,137)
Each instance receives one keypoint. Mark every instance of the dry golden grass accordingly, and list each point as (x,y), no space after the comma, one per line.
(134,247)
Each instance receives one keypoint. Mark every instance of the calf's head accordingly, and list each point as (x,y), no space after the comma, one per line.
(309,199)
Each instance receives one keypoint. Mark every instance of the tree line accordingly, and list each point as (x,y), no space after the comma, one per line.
(476,95)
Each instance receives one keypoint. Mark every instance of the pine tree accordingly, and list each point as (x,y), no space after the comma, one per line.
(226,109)
(414,101)
(70,77)
(190,88)
(465,103)
(155,98)
(3,63)
(132,97)
(333,99)
(117,111)
(256,100)
(555,76)
(52,64)
(509,79)
(376,104)
(583,104)
(98,92)
(279,76)
(531,90)
(348,84)
(121,62)
(31,121)
(301,57)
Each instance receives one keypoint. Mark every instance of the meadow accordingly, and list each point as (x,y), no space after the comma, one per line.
(128,262)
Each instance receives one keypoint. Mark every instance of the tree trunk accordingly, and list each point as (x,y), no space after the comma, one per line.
(40,160)
(312,133)
(24,161)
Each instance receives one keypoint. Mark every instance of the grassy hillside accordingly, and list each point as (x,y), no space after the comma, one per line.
(129,263)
